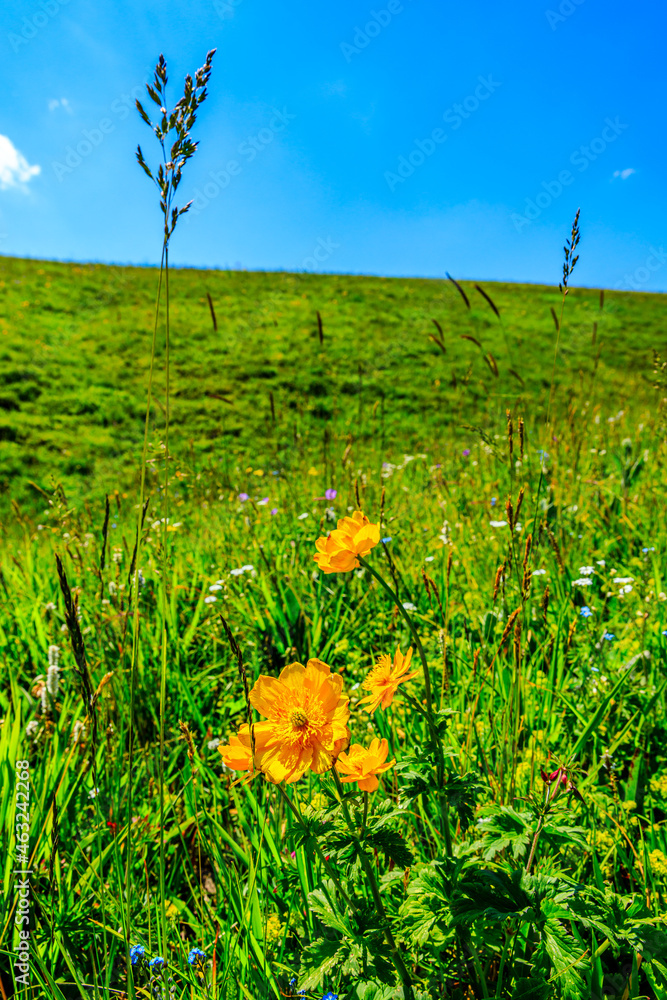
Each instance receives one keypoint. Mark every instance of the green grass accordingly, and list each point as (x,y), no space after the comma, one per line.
(243,879)
(75,346)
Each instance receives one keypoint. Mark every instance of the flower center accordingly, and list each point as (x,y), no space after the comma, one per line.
(298,719)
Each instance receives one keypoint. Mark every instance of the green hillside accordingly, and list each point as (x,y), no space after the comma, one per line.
(76,347)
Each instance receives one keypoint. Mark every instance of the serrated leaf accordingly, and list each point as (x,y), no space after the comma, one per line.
(565,956)
(325,909)
(532,989)
(317,961)
(462,791)
(392,845)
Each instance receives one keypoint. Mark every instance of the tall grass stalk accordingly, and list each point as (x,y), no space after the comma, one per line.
(167,179)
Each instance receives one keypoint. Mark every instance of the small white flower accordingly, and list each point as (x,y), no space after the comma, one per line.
(53,680)
(235,572)
(211,599)
(444,535)
(498,524)
(77,731)
(50,606)
(627,589)
(302,517)
(214,587)
(248,568)
(583,581)
(623,579)
(600,562)
(538,572)
(93,793)
(112,587)
(32,727)
(213,744)
(429,558)
(586,570)
(409,606)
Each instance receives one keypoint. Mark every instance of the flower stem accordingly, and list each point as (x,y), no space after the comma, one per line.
(363,822)
(538,830)
(440,762)
(413,631)
(397,959)
(318,849)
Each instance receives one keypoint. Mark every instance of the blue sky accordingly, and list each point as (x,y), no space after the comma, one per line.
(406,137)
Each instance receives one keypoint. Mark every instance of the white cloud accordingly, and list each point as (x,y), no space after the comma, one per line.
(624,174)
(60,103)
(15,171)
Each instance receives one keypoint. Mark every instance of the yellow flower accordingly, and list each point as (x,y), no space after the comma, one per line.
(306,725)
(658,863)
(659,784)
(274,929)
(363,765)
(237,755)
(384,678)
(354,536)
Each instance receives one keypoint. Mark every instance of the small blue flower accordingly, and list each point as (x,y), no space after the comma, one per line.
(292,982)
(330,996)
(156,963)
(494,501)
(665,632)
(385,540)
(137,951)
(196,956)
(609,636)
(586,612)
(651,549)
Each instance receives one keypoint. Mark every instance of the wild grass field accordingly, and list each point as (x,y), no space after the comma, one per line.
(75,350)
(428,764)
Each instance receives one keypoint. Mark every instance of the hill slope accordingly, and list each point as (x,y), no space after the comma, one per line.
(76,347)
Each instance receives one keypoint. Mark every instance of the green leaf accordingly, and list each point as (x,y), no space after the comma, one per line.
(393,846)
(462,791)
(317,961)
(505,827)
(494,894)
(323,904)
(426,918)
(532,989)
(565,956)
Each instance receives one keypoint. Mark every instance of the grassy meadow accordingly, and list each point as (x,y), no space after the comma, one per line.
(518,847)
(264,389)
